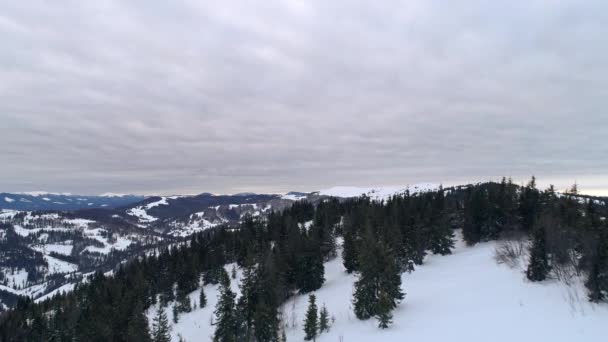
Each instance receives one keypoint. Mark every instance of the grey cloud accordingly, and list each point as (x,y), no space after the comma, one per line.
(191,96)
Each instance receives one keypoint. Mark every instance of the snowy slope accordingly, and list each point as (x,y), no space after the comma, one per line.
(462,297)
(377,193)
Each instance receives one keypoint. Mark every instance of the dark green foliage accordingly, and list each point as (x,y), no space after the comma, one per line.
(247,301)
(378,289)
(233,272)
(529,203)
(225,314)
(441,233)
(538,268)
(311,269)
(475,215)
(323,320)
(349,253)
(213,275)
(202,299)
(384,310)
(183,303)
(311,323)
(490,210)
(597,280)
(160,327)
(265,319)
(175,313)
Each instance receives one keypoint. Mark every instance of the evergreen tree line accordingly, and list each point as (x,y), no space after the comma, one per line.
(568,231)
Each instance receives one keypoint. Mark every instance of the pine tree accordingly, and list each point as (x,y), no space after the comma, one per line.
(225,315)
(538,268)
(311,273)
(266,317)
(442,235)
(366,286)
(248,299)
(160,327)
(137,328)
(323,320)
(349,254)
(213,275)
(183,302)
(475,215)
(378,289)
(202,298)
(233,272)
(529,205)
(383,310)
(597,280)
(176,312)
(311,323)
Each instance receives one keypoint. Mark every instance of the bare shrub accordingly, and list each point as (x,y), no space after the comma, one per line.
(511,252)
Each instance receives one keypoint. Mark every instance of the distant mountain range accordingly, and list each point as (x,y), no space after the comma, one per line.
(64,202)
(39,200)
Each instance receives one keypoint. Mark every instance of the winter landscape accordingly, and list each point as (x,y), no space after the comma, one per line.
(303,170)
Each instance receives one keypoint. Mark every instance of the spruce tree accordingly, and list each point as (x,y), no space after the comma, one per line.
(311,272)
(538,268)
(378,289)
(160,327)
(475,215)
(383,310)
(349,254)
(176,312)
(248,299)
(233,272)
(442,235)
(323,320)
(183,302)
(137,328)
(529,205)
(597,280)
(225,315)
(202,298)
(266,317)
(366,286)
(311,323)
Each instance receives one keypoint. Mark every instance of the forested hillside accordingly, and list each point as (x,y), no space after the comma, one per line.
(283,255)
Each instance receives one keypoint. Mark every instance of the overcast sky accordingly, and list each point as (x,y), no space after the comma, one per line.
(270,96)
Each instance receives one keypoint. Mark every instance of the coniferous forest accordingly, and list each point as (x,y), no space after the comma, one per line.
(284,255)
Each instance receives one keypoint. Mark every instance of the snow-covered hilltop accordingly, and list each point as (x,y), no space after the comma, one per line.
(465,296)
(377,193)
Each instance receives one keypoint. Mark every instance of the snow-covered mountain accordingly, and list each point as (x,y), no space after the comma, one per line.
(39,200)
(42,251)
(181,216)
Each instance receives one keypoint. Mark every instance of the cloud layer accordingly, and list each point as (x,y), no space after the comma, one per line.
(190,96)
